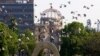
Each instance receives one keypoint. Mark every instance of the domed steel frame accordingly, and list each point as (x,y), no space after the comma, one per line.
(51,12)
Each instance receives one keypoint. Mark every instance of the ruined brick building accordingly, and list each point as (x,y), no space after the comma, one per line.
(48,30)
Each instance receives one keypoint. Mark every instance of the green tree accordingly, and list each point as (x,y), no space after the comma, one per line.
(8,41)
(27,41)
(93,44)
(74,36)
(13,24)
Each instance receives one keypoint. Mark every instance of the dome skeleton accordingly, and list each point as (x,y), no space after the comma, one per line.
(51,11)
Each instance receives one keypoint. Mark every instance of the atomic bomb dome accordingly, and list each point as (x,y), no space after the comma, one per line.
(48,30)
(51,13)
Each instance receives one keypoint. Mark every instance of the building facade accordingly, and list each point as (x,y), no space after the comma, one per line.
(21,10)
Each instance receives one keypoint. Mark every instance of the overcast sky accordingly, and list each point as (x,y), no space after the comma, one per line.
(76,5)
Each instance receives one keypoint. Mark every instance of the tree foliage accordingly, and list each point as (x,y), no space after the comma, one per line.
(93,44)
(74,37)
(8,41)
(11,42)
(13,24)
(27,41)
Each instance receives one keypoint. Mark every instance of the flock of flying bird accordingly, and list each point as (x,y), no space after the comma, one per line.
(79,15)
(75,14)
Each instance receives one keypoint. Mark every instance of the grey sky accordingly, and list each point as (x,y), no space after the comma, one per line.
(76,5)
